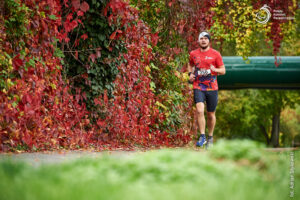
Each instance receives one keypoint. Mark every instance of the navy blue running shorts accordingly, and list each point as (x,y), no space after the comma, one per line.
(210,97)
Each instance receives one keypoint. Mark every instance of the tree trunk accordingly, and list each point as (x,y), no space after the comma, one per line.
(263,129)
(275,130)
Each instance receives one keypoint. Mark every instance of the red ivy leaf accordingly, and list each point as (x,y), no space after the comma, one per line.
(181,28)
(74,24)
(66,3)
(105,98)
(113,35)
(69,17)
(84,6)
(93,57)
(27,139)
(98,53)
(105,10)
(17,62)
(76,55)
(177,50)
(79,13)
(67,26)
(100,123)
(97,102)
(76,4)
(61,36)
(67,39)
(76,43)
(26,99)
(80,22)
(84,36)
(154,39)
(85,75)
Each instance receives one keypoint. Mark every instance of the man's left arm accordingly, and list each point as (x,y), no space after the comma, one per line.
(220,69)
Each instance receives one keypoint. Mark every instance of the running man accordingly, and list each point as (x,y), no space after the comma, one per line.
(204,66)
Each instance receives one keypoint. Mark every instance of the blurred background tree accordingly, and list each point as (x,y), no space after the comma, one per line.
(269,116)
(256,114)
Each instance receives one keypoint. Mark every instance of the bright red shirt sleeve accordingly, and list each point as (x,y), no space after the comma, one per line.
(219,60)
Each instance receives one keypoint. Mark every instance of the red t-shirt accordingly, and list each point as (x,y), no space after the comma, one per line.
(206,79)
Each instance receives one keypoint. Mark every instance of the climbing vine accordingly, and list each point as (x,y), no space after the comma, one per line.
(37,111)
(91,56)
(236,22)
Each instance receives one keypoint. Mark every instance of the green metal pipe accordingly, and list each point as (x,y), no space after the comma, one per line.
(261,72)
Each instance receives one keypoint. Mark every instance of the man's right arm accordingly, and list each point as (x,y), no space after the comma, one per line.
(191,73)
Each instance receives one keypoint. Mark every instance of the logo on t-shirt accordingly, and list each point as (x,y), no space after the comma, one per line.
(208,58)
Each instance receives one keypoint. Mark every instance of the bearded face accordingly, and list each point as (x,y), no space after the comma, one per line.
(203,42)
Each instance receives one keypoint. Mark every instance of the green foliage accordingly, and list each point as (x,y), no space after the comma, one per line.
(235,113)
(291,43)
(92,64)
(161,174)
(170,85)
(5,71)
(17,20)
(166,69)
(170,106)
(152,12)
(248,113)
(290,125)
(235,26)
(15,25)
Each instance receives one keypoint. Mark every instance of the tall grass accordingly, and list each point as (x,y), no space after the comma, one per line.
(232,170)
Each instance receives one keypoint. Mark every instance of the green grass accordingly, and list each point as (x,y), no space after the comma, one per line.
(232,170)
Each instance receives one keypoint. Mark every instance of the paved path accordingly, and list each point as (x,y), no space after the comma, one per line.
(38,158)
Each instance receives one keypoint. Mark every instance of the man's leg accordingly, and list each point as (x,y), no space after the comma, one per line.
(199,98)
(212,101)
(200,117)
(211,122)
(201,124)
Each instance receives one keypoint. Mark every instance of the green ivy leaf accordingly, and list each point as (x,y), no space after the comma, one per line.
(53,17)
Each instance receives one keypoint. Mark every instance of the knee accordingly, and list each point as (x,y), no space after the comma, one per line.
(200,112)
(211,115)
